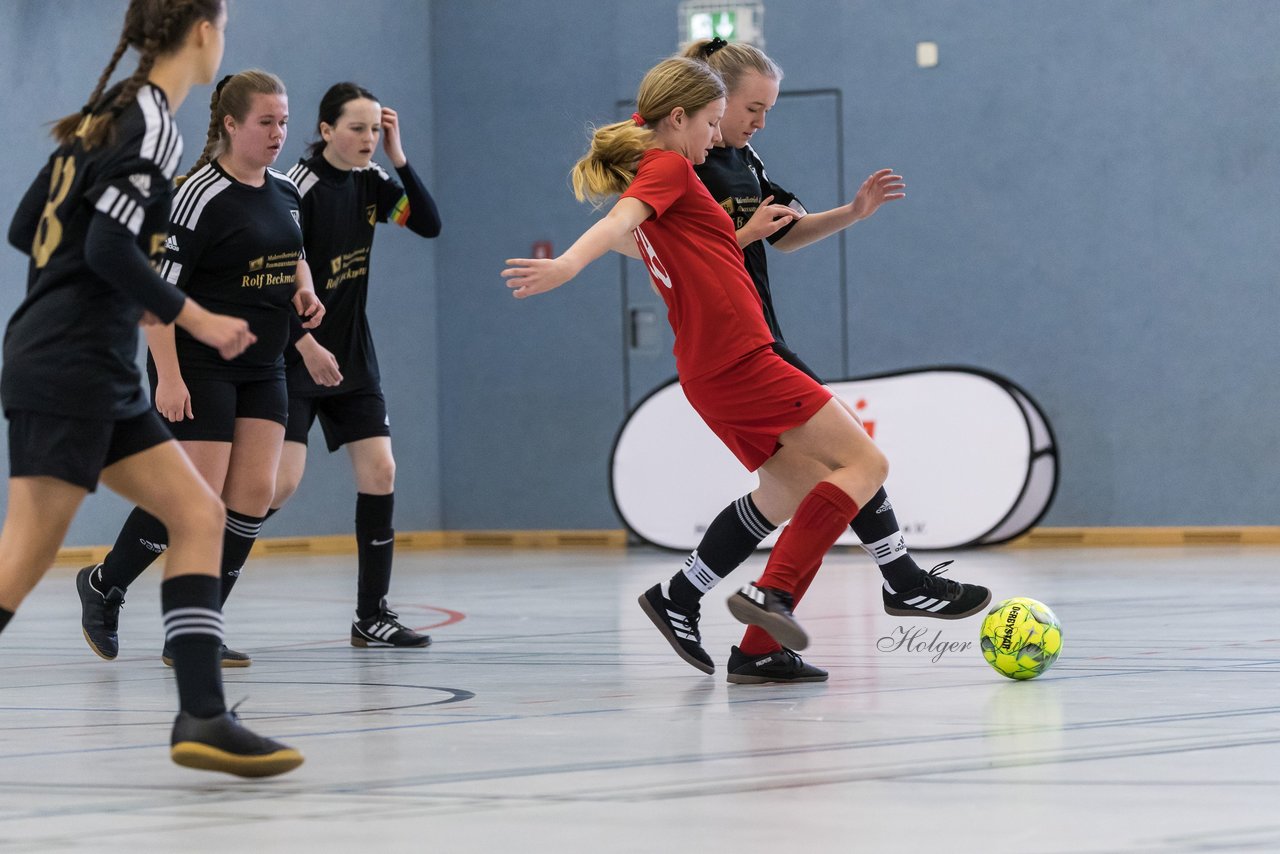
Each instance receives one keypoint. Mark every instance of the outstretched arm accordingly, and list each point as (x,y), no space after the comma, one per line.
(880,187)
(530,276)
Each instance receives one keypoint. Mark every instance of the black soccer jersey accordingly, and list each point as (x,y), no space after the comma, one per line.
(339,211)
(90,222)
(235,249)
(736,179)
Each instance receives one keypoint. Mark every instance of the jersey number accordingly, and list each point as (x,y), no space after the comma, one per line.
(49,231)
(651,261)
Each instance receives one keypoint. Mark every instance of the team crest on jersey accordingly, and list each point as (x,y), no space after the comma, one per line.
(728,205)
(257,264)
(335,265)
(372,211)
(142,182)
(297,218)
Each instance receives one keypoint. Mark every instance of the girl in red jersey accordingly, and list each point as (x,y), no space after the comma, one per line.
(769,414)
(735,176)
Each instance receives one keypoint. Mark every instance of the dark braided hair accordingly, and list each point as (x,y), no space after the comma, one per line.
(233,96)
(331,107)
(153,28)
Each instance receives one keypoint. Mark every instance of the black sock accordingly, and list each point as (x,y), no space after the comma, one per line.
(193,637)
(141,540)
(375,546)
(877,527)
(237,540)
(730,539)
(5,616)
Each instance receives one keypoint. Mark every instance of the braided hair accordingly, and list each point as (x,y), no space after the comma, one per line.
(153,28)
(233,96)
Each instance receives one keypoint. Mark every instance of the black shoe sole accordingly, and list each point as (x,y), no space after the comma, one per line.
(744,679)
(916,612)
(194,754)
(786,632)
(662,627)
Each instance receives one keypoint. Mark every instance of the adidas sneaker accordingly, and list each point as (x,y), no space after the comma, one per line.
(770,609)
(937,597)
(385,629)
(222,743)
(99,614)
(781,666)
(679,625)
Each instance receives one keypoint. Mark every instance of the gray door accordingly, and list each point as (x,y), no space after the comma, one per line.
(802,150)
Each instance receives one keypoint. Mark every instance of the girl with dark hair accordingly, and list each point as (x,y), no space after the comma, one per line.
(762,210)
(769,414)
(234,242)
(333,371)
(91,222)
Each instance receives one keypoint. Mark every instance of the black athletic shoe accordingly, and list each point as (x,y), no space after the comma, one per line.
(230,658)
(784,666)
(936,597)
(678,625)
(385,629)
(222,743)
(770,609)
(99,614)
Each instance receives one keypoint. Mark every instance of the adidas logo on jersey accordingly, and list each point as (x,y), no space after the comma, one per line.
(171,244)
(142,182)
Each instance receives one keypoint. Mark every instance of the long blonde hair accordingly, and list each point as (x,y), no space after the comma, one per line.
(610,164)
(732,60)
(233,96)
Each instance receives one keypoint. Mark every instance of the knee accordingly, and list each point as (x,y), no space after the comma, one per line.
(198,514)
(878,466)
(379,477)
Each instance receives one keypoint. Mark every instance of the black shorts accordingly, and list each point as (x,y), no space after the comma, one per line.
(344,418)
(216,404)
(789,356)
(77,449)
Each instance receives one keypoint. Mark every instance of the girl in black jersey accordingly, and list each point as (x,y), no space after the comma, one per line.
(761,209)
(235,243)
(90,222)
(333,371)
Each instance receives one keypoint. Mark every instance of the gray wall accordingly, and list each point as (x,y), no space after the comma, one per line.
(50,56)
(1092,210)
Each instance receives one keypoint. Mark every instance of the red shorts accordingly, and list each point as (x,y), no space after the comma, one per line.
(750,402)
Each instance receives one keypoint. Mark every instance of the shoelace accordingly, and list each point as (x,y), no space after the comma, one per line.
(942,588)
(113,601)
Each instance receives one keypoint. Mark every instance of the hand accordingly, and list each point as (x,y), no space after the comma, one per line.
(173,400)
(321,364)
(531,276)
(391,137)
(767,219)
(309,307)
(230,336)
(880,187)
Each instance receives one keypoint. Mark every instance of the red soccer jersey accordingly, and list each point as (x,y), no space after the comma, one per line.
(692,253)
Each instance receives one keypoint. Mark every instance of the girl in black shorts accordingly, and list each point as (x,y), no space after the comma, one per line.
(333,371)
(234,243)
(91,222)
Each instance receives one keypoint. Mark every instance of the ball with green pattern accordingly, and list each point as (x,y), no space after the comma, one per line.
(1021,638)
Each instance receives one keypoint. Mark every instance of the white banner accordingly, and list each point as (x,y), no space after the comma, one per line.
(972,460)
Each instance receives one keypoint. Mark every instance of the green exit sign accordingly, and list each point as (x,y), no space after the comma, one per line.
(706,19)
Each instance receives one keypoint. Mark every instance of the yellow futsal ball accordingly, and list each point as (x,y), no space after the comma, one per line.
(1021,638)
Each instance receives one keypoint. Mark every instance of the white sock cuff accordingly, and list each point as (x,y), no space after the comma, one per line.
(888,549)
(699,574)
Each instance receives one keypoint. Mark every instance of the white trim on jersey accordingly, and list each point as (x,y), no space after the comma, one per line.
(121,208)
(196,192)
(161,143)
(276,173)
(303,178)
(170,271)
(374,167)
